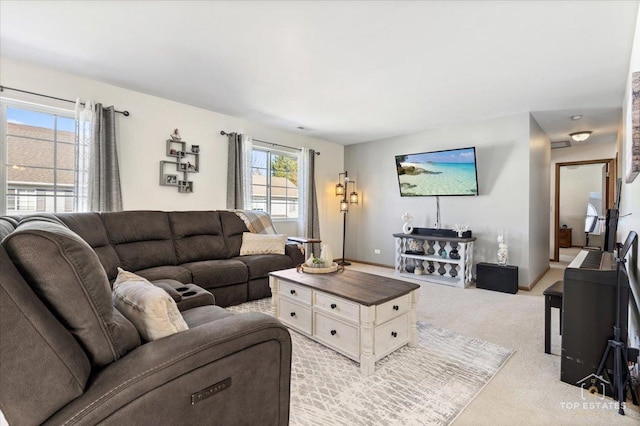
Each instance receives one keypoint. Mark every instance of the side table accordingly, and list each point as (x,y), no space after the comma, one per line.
(307,243)
(564,237)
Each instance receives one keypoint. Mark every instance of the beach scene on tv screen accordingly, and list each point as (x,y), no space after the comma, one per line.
(438,173)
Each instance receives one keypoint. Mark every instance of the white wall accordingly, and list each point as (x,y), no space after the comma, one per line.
(630,200)
(576,182)
(539,162)
(502,149)
(142,135)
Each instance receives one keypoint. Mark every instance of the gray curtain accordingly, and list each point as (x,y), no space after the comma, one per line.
(310,210)
(105,193)
(238,179)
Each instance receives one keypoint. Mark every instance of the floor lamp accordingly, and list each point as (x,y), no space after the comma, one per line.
(342,189)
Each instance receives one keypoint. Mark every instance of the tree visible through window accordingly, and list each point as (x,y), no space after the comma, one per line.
(40,161)
(275,183)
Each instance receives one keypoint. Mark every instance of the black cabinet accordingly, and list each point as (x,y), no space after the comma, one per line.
(491,276)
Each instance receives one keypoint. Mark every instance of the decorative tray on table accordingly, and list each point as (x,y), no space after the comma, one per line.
(319,270)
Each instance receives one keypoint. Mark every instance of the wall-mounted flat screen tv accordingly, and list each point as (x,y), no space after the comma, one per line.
(449,172)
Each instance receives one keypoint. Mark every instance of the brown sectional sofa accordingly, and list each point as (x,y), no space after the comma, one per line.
(67,356)
(199,247)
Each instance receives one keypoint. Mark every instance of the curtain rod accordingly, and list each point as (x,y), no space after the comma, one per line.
(223,133)
(3,88)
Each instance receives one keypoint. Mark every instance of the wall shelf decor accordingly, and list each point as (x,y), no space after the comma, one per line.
(184,162)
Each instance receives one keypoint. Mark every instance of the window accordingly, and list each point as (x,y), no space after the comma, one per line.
(40,169)
(274,182)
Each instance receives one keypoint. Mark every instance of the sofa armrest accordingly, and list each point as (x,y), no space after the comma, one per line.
(293,250)
(186,296)
(235,370)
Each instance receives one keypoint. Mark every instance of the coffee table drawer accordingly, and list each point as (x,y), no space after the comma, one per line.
(295,316)
(336,334)
(337,306)
(392,309)
(295,292)
(390,336)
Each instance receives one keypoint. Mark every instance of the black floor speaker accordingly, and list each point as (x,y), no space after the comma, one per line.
(491,276)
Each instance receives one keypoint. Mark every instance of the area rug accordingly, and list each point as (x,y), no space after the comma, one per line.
(429,384)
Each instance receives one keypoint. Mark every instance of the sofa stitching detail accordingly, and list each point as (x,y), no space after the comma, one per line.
(173,237)
(145,373)
(102,322)
(44,338)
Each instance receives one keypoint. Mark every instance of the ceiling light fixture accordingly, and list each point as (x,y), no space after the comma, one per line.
(580,136)
(576,117)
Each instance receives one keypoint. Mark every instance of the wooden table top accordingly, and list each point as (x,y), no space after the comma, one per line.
(360,287)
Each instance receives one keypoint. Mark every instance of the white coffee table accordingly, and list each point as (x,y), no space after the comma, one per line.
(365,317)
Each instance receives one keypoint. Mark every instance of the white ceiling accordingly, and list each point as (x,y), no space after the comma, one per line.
(348,72)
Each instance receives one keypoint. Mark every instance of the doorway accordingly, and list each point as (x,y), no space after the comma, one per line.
(573,223)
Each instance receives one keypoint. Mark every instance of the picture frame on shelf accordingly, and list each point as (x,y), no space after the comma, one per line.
(195,149)
(414,246)
(171,179)
(182,167)
(185,186)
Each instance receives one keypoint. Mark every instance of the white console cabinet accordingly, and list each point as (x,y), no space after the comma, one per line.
(436,260)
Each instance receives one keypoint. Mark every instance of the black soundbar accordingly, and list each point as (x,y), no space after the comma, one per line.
(433,232)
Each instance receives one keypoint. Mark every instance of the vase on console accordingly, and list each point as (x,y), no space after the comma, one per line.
(503,250)
(407,228)
(454,254)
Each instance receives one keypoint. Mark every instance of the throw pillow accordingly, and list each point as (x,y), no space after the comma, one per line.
(262,243)
(151,310)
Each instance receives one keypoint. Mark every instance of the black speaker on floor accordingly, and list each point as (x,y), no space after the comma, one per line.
(491,276)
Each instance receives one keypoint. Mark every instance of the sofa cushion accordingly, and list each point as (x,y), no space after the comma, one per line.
(34,349)
(197,236)
(142,239)
(204,315)
(177,273)
(153,312)
(232,227)
(230,295)
(61,267)
(218,273)
(7,226)
(262,243)
(260,265)
(91,229)
(42,217)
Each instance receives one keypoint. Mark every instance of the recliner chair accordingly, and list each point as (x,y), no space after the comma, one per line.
(67,356)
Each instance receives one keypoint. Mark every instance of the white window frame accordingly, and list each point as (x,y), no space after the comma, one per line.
(270,150)
(15,103)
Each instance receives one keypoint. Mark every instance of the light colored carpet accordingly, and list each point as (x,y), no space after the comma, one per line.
(429,384)
(527,390)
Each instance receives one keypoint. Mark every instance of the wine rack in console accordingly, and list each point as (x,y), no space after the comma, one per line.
(444,260)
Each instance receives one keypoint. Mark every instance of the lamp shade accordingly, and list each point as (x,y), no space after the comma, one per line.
(339,189)
(580,136)
(344,206)
(353,197)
